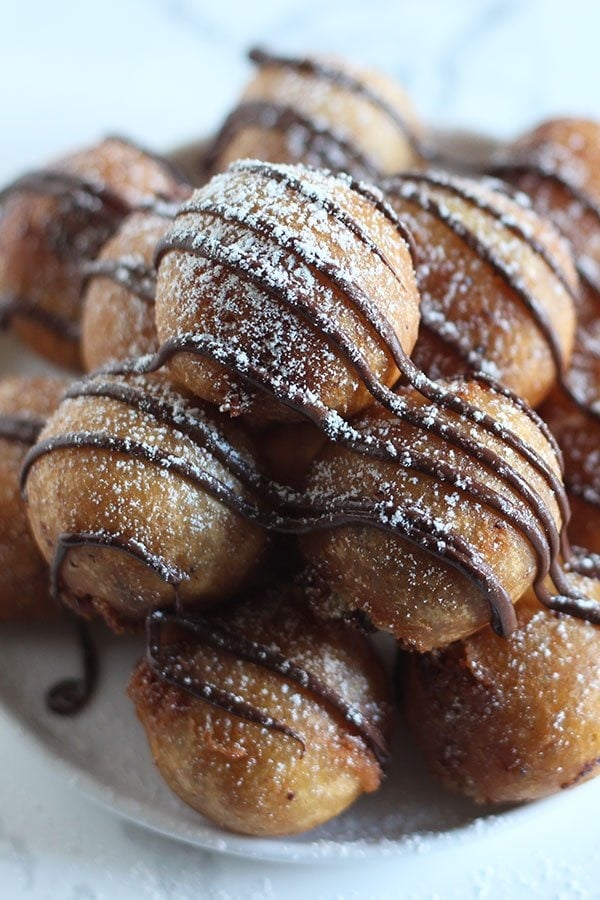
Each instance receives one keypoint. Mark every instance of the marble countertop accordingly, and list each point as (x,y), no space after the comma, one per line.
(165,71)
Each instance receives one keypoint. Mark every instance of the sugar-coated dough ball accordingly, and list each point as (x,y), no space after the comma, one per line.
(497,282)
(133,499)
(320,111)
(577,429)
(53,221)
(557,165)
(506,720)
(251,777)
(269,283)
(118,305)
(414,538)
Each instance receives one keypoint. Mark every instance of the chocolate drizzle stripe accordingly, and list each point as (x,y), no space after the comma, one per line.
(146,453)
(516,168)
(169,573)
(324,141)
(460,190)
(282,175)
(79,191)
(531,168)
(326,203)
(588,280)
(574,606)
(253,270)
(203,433)
(169,672)
(131,275)
(69,696)
(220,638)
(584,563)
(498,266)
(20,429)
(12,307)
(342,79)
(525,408)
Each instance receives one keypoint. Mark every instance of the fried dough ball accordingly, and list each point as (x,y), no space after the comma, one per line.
(322,112)
(498,284)
(507,720)
(558,166)
(272,277)
(133,496)
(54,220)
(25,403)
(397,558)
(118,304)
(299,753)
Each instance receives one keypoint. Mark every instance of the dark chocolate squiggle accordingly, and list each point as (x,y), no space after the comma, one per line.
(12,307)
(169,671)
(71,695)
(22,429)
(218,637)
(131,275)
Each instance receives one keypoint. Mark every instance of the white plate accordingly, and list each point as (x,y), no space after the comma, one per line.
(103,751)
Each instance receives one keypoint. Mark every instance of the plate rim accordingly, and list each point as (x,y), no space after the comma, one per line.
(274,849)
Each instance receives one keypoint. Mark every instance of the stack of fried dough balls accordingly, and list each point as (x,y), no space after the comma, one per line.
(308,414)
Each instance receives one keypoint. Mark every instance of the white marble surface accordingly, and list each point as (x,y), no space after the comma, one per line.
(164,71)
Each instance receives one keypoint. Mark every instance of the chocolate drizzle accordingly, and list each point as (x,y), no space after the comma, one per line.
(78,191)
(322,142)
(21,429)
(517,168)
(169,573)
(71,695)
(12,307)
(459,188)
(586,400)
(132,275)
(339,78)
(216,636)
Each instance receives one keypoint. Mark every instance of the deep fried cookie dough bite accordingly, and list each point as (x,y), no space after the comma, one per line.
(498,283)
(509,720)
(557,165)
(324,112)
(425,542)
(264,720)
(118,304)
(138,498)
(275,287)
